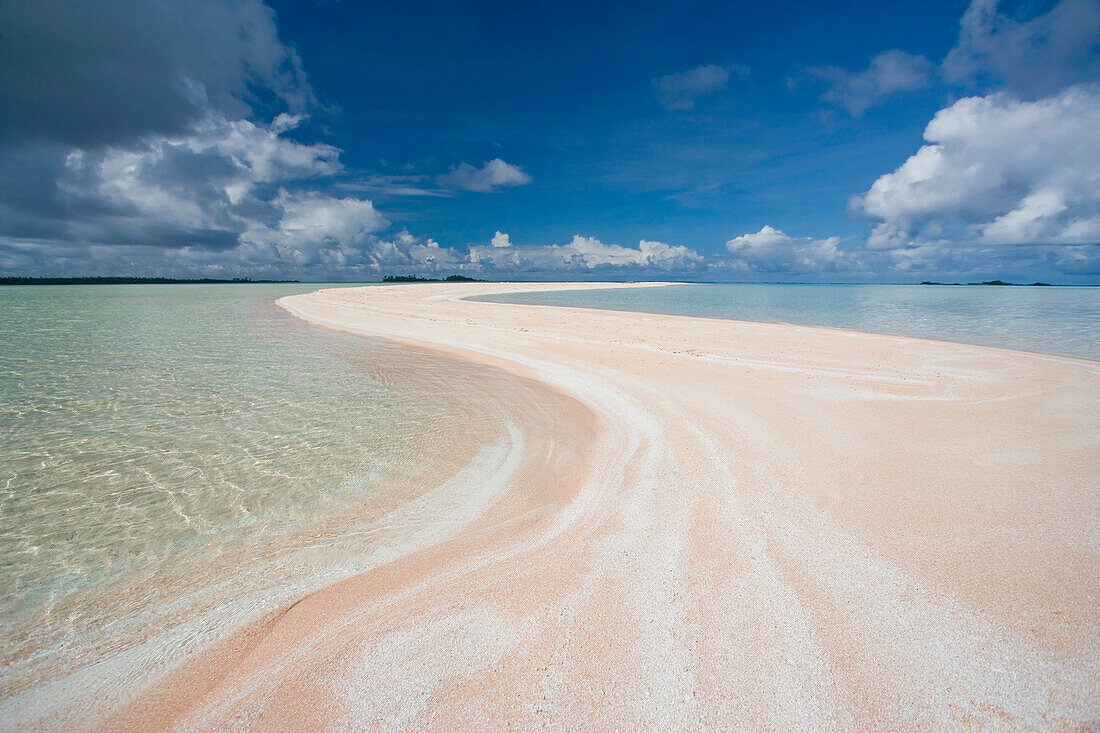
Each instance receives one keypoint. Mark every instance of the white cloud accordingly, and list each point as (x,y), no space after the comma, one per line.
(1033,57)
(593,253)
(136,153)
(770,254)
(493,175)
(584,254)
(889,73)
(679,91)
(233,197)
(996,170)
(202,202)
(312,216)
(311,225)
(200,188)
(773,251)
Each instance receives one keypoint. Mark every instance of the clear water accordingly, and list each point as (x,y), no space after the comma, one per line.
(163,448)
(1050,320)
(137,420)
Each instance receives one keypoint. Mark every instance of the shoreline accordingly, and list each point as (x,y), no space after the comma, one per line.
(728,524)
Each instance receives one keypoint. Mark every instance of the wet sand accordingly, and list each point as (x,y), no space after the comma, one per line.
(729,525)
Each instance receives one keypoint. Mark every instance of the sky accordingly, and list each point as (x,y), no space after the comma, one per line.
(331,140)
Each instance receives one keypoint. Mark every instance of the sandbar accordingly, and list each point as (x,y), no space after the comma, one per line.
(748,526)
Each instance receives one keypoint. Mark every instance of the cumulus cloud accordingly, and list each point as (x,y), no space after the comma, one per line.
(582,255)
(594,253)
(88,74)
(771,254)
(491,176)
(1033,57)
(133,141)
(130,145)
(185,201)
(996,170)
(270,253)
(141,137)
(773,251)
(231,197)
(889,73)
(311,222)
(193,189)
(679,91)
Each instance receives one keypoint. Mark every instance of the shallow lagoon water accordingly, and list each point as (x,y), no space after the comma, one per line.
(137,421)
(177,460)
(1053,320)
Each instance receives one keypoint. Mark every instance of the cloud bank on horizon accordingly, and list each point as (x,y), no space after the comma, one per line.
(195,152)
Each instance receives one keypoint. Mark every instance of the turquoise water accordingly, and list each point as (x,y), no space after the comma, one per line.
(1045,319)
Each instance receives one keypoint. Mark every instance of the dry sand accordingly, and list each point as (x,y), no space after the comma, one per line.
(729,525)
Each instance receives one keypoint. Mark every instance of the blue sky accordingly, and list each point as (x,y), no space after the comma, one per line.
(566,90)
(843,141)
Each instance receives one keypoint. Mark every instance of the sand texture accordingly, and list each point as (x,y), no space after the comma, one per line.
(725,525)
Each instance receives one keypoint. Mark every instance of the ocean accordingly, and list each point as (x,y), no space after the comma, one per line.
(1052,320)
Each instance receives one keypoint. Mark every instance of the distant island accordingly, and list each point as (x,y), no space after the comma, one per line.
(994,282)
(131,281)
(415,279)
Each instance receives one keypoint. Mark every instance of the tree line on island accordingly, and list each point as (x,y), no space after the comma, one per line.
(417,279)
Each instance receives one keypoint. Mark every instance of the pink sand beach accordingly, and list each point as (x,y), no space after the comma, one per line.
(702,524)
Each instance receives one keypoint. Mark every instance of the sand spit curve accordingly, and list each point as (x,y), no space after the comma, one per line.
(772,527)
